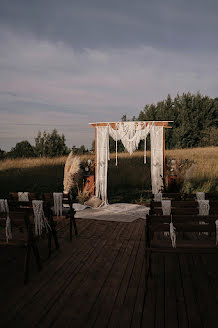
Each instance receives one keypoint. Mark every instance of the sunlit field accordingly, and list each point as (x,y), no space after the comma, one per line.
(129,181)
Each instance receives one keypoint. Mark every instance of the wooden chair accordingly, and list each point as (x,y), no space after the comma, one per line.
(183,224)
(14,196)
(181,196)
(67,210)
(51,234)
(183,207)
(22,236)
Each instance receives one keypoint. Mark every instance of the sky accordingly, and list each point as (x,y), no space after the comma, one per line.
(64,64)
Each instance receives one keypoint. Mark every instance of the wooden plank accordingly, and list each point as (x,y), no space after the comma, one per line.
(170,292)
(139,303)
(100,311)
(73,309)
(160,302)
(205,294)
(193,314)
(180,297)
(79,286)
(125,301)
(55,278)
(149,308)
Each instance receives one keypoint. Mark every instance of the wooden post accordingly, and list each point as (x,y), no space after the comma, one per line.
(95,157)
(164,165)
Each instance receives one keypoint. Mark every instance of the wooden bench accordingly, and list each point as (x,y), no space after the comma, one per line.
(183,224)
(186,207)
(181,196)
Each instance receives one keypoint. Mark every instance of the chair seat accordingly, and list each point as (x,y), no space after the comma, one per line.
(65,210)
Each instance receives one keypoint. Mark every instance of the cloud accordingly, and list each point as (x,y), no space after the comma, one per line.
(47,84)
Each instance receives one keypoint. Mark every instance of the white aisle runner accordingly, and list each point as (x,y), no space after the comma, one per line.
(121,212)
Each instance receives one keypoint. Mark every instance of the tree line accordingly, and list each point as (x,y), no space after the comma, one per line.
(194,116)
(195,124)
(46,145)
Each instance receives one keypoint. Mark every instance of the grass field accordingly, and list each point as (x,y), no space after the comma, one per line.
(129,181)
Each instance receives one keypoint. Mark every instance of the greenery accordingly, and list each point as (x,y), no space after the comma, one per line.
(50,144)
(46,145)
(21,150)
(195,120)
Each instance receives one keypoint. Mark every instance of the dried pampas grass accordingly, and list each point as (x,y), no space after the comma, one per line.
(71,169)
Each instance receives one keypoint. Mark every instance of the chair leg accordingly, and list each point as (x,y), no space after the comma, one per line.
(36,253)
(73,224)
(49,244)
(26,264)
(54,234)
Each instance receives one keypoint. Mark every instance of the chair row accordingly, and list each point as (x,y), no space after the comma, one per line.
(182,196)
(23,233)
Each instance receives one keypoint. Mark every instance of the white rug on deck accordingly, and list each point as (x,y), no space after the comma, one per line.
(121,212)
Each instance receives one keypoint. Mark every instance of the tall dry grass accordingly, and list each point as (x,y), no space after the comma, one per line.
(205,161)
(27,163)
(46,174)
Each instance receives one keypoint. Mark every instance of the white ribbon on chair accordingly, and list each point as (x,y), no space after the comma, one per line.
(158,197)
(173,233)
(216,222)
(23,196)
(166,206)
(58,198)
(204,208)
(4,208)
(40,220)
(200,195)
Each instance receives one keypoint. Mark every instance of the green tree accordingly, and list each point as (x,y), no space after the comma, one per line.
(50,144)
(2,154)
(192,115)
(82,150)
(22,149)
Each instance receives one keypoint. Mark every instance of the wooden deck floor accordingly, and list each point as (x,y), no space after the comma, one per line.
(98,280)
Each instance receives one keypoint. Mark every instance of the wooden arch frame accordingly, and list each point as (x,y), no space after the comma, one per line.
(164,124)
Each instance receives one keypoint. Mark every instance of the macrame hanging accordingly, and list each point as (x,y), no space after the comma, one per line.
(5,209)
(130,134)
(102,163)
(40,220)
(58,198)
(23,196)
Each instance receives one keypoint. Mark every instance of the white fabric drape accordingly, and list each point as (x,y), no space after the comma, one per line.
(158,197)
(204,207)
(5,209)
(200,195)
(58,198)
(156,133)
(102,162)
(166,206)
(40,220)
(23,196)
(130,133)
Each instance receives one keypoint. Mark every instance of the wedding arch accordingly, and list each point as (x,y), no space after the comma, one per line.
(130,134)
